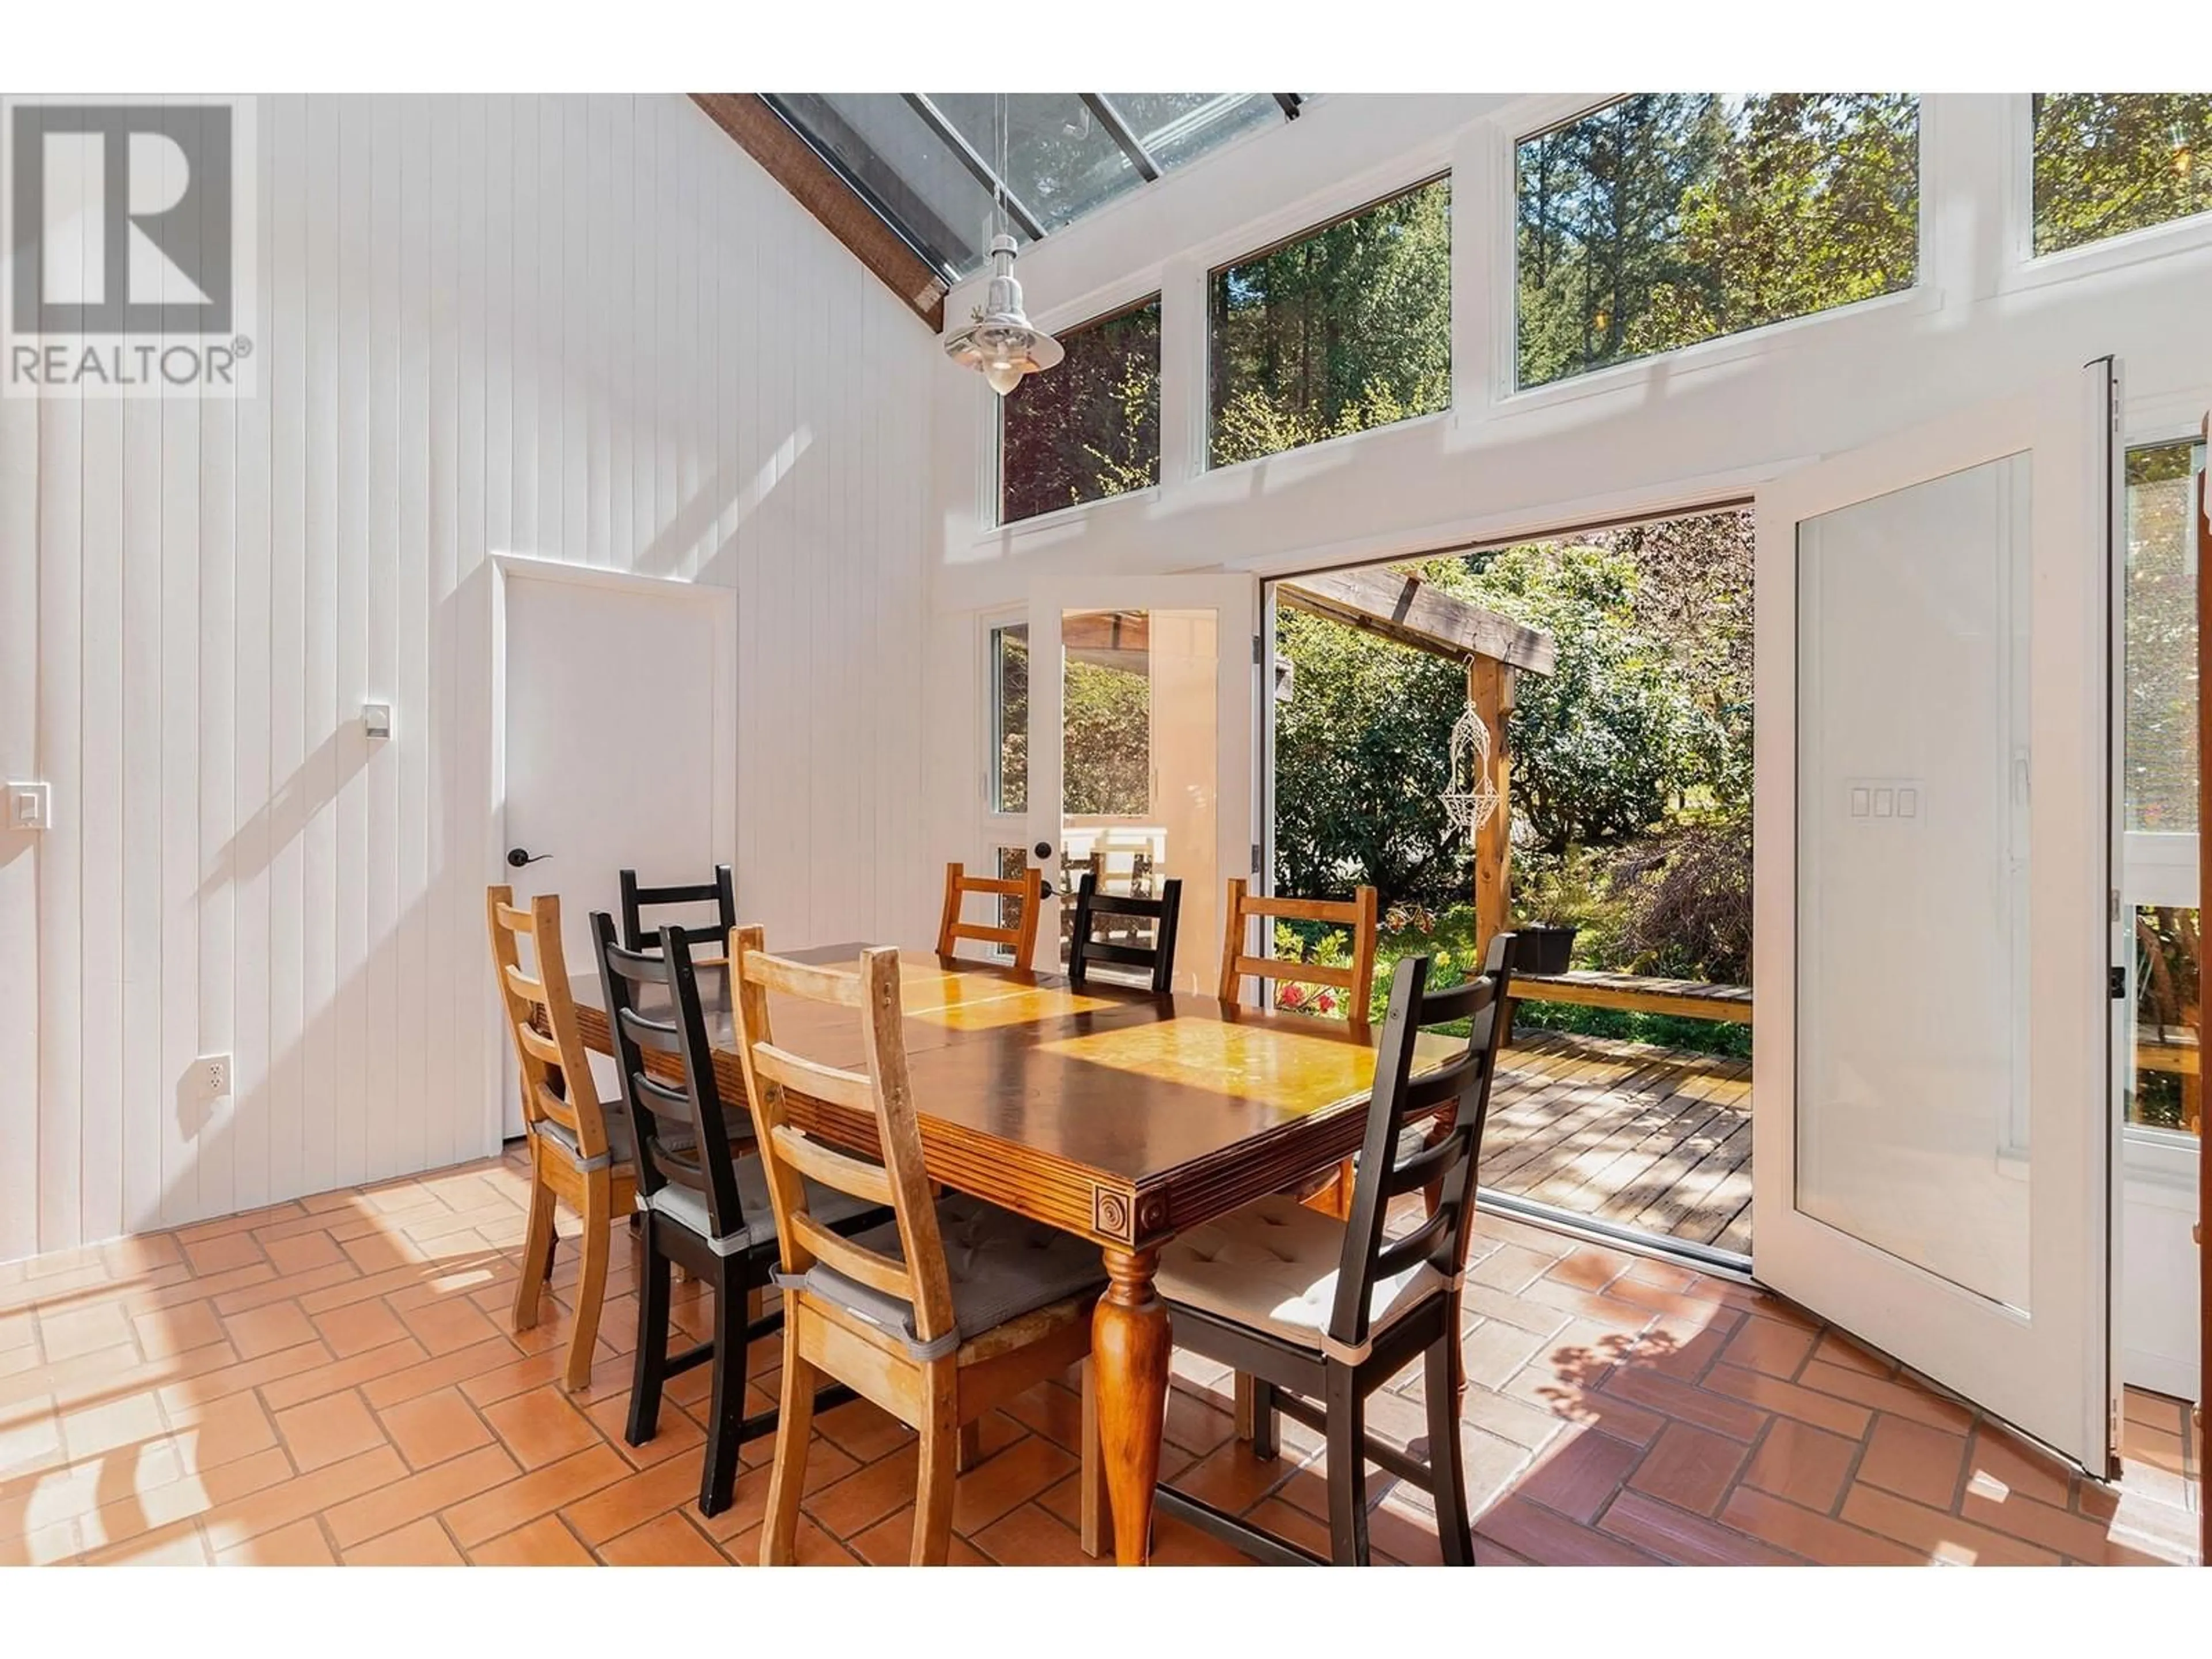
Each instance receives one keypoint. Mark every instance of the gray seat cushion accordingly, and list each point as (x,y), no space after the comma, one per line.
(621,1136)
(687,1207)
(1001,1266)
(620,1140)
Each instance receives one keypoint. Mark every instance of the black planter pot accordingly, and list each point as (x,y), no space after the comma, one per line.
(1542,950)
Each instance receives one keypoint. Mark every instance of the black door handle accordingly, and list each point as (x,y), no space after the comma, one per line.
(1044,852)
(518,856)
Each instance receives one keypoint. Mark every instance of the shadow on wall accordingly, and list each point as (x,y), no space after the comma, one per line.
(728,490)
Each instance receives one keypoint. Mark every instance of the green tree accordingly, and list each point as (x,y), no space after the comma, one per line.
(1088,428)
(2109,162)
(1345,329)
(1669,218)
(1599,198)
(1603,744)
(2161,690)
(1106,750)
(1361,758)
(1620,738)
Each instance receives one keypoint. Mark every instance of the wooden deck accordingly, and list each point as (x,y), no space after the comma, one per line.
(1656,1139)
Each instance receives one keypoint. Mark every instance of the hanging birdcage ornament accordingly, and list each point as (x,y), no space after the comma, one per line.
(1472,795)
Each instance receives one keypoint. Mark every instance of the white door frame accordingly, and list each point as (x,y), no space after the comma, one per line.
(720,605)
(1954,1335)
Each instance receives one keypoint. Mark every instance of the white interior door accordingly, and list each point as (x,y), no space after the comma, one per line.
(1141,750)
(619,721)
(1932,1142)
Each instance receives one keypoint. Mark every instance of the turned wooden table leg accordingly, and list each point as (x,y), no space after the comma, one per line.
(1129,1347)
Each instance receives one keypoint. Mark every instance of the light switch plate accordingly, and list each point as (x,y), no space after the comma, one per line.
(30,807)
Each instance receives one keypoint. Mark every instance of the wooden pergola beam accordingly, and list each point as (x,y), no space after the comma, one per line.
(815,186)
(1408,610)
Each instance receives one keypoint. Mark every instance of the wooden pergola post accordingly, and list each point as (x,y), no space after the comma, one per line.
(1490,686)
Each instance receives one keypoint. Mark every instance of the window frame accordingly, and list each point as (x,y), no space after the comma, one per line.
(995,491)
(989,624)
(990,829)
(2026,269)
(1503,135)
(1211,265)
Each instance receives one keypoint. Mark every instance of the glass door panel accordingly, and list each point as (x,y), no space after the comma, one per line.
(1138,784)
(1150,772)
(1912,775)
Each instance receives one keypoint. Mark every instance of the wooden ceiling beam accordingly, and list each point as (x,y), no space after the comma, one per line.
(815,186)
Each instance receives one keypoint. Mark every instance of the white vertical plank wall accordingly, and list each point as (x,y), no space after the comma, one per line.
(589,329)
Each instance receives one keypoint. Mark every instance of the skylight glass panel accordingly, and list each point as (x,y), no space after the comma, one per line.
(936,168)
(1060,160)
(1175,126)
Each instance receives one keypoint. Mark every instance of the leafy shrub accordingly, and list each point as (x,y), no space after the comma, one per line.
(1606,741)
(1686,903)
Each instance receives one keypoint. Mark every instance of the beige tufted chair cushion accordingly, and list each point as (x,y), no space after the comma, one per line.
(1273,1265)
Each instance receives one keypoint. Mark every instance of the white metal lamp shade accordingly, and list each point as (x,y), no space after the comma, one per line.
(1001,341)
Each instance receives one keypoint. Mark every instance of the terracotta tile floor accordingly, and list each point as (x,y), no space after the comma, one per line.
(333,1380)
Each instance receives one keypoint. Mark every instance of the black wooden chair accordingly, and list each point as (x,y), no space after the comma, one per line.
(1322,1313)
(721,892)
(1085,947)
(703,1207)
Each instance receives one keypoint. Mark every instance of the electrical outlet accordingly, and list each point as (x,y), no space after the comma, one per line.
(214,1073)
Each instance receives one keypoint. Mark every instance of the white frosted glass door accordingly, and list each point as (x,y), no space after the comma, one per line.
(1913,775)
(1933,892)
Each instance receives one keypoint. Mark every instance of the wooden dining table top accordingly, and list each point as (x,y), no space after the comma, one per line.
(1107,1111)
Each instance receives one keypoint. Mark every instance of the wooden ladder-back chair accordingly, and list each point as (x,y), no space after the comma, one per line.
(939,1316)
(1356,915)
(705,1207)
(1020,939)
(1322,1313)
(721,893)
(1084,947)
(580,1151)
(1331,1194)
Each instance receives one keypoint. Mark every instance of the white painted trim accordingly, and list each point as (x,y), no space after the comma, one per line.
(2162,1157)
(1530,523)
(1875,319)
(2159,870)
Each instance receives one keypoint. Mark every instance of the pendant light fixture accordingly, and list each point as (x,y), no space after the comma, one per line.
(999,339)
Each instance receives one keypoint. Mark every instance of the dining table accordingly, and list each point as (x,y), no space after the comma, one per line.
(1108,1111)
